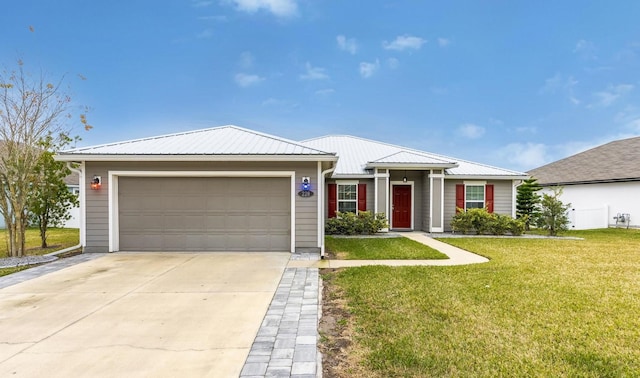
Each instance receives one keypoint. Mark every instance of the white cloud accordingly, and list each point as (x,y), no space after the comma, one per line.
(314,73)
(558,83)
(404,42)
(611,94)
(368,69)
(206,33)
(585,49)
(393,63)
(347,44)
(561,84)
(525,156)
(527,129)
(471,131)
(246,60)
(444,42)
(280,8)
(246,80)
(495,121)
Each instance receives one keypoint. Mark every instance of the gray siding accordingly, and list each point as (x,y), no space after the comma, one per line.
(502,193)
(97,206)
(426,209)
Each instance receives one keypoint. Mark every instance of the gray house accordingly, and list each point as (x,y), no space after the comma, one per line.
(234,189)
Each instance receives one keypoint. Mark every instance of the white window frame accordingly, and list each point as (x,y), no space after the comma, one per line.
(483,184)
(344,183)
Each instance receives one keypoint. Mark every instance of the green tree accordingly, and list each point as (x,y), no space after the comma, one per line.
(51,199)
(31,108)
(553,213)
(528,202)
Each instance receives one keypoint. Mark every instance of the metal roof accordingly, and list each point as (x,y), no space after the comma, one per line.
(224,140)
(612,162)
(356,156)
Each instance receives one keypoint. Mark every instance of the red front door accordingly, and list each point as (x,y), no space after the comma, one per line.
(401,206)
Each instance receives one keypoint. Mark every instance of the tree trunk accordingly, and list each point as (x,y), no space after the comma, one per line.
(43,232)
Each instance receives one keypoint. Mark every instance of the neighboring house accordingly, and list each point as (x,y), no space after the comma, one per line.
(601,184)
(233,189)
(72,182)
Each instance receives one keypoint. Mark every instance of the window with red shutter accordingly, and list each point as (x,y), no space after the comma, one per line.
(332,203)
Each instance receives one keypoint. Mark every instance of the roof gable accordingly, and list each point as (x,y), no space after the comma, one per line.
(614,161)
(224,140)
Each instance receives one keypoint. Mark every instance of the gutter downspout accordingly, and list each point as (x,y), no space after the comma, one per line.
(322,215)
(80,172)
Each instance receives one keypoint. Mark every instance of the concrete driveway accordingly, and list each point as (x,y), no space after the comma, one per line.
(139,314)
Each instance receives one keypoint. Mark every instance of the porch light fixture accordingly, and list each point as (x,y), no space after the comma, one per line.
(404,179)
(96,182)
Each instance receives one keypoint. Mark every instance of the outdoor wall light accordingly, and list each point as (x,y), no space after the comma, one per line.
(306,184)
(404,179)
(96,182)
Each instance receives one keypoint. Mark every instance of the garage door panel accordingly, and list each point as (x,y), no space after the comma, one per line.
(204,214)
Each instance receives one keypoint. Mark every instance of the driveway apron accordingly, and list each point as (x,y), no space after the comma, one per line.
(139,314)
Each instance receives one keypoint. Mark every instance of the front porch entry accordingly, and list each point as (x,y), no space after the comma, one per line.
(401,207)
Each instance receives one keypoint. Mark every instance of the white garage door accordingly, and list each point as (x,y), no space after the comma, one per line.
(204,214)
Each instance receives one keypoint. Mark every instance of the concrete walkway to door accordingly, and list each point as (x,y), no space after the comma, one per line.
(139,314)
(456,255)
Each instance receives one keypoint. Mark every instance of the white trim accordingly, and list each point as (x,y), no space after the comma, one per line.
(442,194)
(483,184)
(321,198)
(413,203)
(514,199)
(114,231)
(431,202)
(346,182)
(375,191)
(376,176)
(82,199)
(319,193)
(210,157)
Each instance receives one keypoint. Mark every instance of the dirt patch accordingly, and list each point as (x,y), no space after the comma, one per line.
(340,356)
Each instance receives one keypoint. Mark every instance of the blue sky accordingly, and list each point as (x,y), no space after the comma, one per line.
(510,83)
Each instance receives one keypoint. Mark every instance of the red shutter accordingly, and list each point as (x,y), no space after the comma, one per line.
(362,197)
(332,204)
(459,197)
(488,197)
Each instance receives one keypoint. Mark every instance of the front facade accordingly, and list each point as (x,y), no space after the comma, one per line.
(416,190)
(233,189)
(601,184)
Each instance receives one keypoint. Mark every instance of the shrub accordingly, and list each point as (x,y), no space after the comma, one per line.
(351,224)
(553,213)
(483,222)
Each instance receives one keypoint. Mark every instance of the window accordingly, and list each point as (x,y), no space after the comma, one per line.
(348,198)
(474,197)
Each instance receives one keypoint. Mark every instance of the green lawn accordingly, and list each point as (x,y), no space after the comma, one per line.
(544,308)
(57,239)
(399,248)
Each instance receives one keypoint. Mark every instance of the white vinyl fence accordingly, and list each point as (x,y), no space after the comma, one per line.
(585,219)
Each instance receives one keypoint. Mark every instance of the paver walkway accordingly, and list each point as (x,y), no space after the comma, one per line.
(286,344)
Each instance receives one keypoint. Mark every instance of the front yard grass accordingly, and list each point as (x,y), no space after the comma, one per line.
(399,248)
(57,239)
(540,307)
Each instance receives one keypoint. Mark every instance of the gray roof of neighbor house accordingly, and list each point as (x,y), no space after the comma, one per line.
(611,162)
(358,156)
(218,142)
